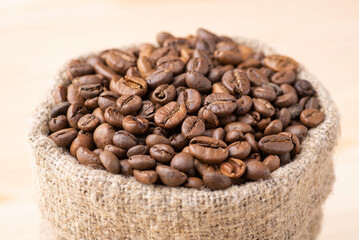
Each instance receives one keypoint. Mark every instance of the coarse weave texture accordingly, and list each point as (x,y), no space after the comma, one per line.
(77,202)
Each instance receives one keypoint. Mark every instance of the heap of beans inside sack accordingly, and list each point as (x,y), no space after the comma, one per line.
(191,111)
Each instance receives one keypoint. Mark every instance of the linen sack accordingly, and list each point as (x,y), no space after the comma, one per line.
(77,202)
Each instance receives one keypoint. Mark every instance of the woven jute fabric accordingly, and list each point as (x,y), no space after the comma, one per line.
(77,202)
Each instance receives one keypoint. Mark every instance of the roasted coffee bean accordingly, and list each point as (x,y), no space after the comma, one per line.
(284,158)
(244,104)
(114,117)
(242,127)
(178,141)
(208,117)
(162,36)
(89,80)
(239,149)
(154,139)
(59,109)
(135,125)
(227,119)
(126,168)
(280,63)
(264,107)
(304,88)
(228,57)
(179,80)
(119,61)
(133,72)
(90,90)
(233,168)
(263,123)
(170,115)
(163,94)
(295,110)
(147,110)
(215,74)
(295,141)
(128,104)
(60,94)
(159,77)
(216,181)
(192,127)
(74,113)
(198,81)
(272,162)
(64,137)
(208,150)
(289,96)
(162,152)
(275,144)
(220,104)
(172,63)
(159,131)
(103,135)
(91,103)
(256,170)
(87,157)
(266,93)
(82,140)
(78,68)
(99,114)
(299,130)
(286,76)
(237,82)
(252,141)
(194,182)
(137,150)
(100,67)
(107,99)
(73,94)
(131,86)
(170,176)
(253,156)
(218,87)
(88,122)
(256,77)
(274,127)
(146,177)
(176,43)
(284,116)
(311,117)
(233,135)
(58,123)
(191,99)
(218,133)
(124,139)
(161,52)
(145,66)
(312,103)
(203,168)
(110,162)
(226,46)
(183,162)
(141,162)
(198,64)
(120,153)
(249,118)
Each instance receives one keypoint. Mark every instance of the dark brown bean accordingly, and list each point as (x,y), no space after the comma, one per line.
(256,170)
(237,82)
(216,181)
(74,113)
(208,150)
(272,162)
(64,137)
(194,182)
(124,139)
(239,149)
(137,150)
(162,152)
(146,177)
(208,117)
(233,168)
(131,86)
(103,135)
(107,99)
(170,115)
(60,94)
(275,144)
(141,162)
(192,127)
(220,104)
(87,157)
(110,162)
(183,162)
(137,125)
(311,117)
(58,123)
(191,99)
(82,140)
(88,122)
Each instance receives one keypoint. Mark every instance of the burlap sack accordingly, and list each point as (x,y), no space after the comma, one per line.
(77,202)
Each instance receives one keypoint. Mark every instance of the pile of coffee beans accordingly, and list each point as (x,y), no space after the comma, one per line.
(195,111)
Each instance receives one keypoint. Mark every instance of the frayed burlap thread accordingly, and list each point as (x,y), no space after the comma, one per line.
(77,202)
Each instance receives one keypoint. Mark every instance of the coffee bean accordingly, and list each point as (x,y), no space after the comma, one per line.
(126,168)
(275,144)
(107,99)
(216,181)
(162,36)
(64,137)
(264,107)
(146,177)
(147,110)
(91,103)
(252,141)
(131,86)
(103,135)
(299,130)
(208,117)
(289,97)
(233,168)
(172,63)
(145,66)
(198,64)
(162,152)
(99,114)
(100,68)
(208,150)
(60,94)
(191,99)
(233,135)
(198,81)
(285,158)
(74,113)
(163,94)
(304,88)
(192,127)
(90,90)
(239,149)
(154,139)
(272,162)
(266,93)
(237,82)
(183,162)
(242,127)
(124,139)
(78,68)
(159,77)
(87,157)
(128,104)
(280,63)
(228,57)
(58,123)
(170,176)
(82,140)
(220,104)
(110,162)
(215,74)
(179,80)
(263,124)
(244,104)
(218,133)
(120,153)
(88,122)
(135,125)
(137,150)
(256,77)
(286,76)
(274,127)
(89,80)
(141,162)
(284,116)
(295,141)
(119,61)
(170,115)
(256,170)
(194,182)
(311,117)
(114,117)
(178,141)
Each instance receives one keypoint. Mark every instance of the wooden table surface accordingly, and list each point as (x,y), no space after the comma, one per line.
(36,37)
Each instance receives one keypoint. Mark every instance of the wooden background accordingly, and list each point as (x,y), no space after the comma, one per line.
(36,37)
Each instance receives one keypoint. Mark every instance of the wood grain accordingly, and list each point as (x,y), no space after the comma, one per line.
(36,37)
